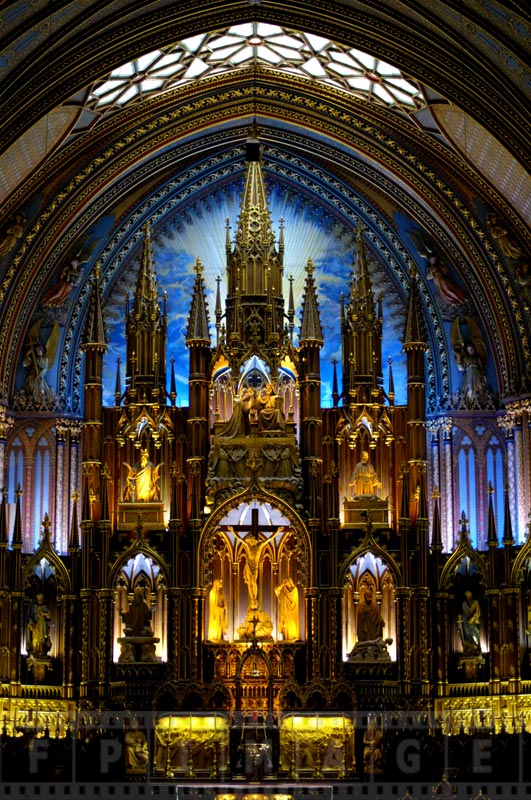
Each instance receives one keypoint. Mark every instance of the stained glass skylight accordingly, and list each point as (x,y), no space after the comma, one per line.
(257,43)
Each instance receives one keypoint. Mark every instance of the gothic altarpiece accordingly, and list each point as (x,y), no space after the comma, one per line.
(257,571)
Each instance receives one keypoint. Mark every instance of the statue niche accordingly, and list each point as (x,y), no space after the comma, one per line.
(254,594)
(142,483)
(371,645)
(364,488)
(138,642)
(43,614)
(256,425)
(142,493)
(369,611)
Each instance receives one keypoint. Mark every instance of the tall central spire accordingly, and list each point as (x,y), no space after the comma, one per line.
(255,302)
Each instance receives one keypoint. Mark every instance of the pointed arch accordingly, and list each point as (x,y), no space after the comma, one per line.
(463,550)
(370,545)
(257,494)
(139,546)
(47,552)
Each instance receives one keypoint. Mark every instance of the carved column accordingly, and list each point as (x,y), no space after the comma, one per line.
(70,644)
(174,641)
(515,423)
(446,482)
(198,634)
(403,611)
(312,626)
(105,641)
(6,422)
(441,642)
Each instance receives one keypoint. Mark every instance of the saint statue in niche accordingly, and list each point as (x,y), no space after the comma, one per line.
(468,623)
(364,479)
(217,612)
(288,610)
(38,359)
(137,619)
(38,631)
(470,353)
(370,622)
(370,645)
(142,480)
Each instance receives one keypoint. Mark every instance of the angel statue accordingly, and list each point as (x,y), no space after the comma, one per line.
(470,353)
(142,483)
(39,358)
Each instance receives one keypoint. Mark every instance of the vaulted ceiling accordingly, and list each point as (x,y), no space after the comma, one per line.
(409,118)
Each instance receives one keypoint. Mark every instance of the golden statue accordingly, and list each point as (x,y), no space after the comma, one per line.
(217,612)
(253,550)
(252,546)
(142,480)
(288,610)
(364,478)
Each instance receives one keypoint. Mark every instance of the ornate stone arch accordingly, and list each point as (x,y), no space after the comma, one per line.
(139,546)
(370,545)
(253,492)
(47,552)
(463,550)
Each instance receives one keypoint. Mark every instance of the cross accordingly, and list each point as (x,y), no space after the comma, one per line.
(254,527)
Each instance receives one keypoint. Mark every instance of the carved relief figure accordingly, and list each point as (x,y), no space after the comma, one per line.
(38,631)
(217,616)
(136,751)
(373,749)
(143,480)
(288,610)
(468,623)
(522,275)
(364,480)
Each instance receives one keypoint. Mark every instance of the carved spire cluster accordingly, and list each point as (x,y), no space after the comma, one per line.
(146,330)
(198,323)
(311,330)
(254,307)
(95,334)
(361,335)
(145,413)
